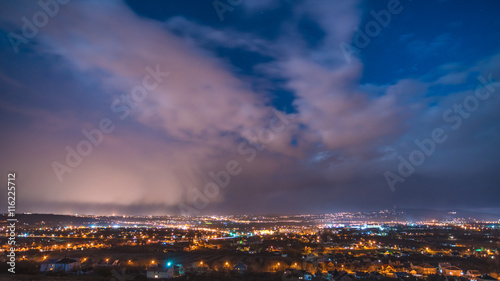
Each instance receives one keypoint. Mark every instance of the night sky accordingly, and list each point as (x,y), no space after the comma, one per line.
(251,106)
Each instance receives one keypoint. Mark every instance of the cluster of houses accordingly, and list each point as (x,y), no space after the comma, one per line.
(425,269)
(337,269)
(384,263)
(155,271)
(420,271)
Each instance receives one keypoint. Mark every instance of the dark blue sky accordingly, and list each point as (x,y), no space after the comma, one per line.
(262,109)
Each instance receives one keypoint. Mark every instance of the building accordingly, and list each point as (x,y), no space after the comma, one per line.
(62,265)
(387,270)
(426,269)
(343,277)
(157,272)
(453,271)
(443,265)
(240,267)
(296,275)
(48,265)
(472,274)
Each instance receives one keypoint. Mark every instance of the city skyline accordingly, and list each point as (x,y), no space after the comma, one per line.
(250,107)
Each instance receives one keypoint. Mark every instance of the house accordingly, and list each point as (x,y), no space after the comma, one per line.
(387,270)
(62,265)
(453,271)
(157,272)
(473,274)
(343,277)
(240,267)
(426,269)
(443,265)
(331,275)
(295,275)
(68,265)
(48,265)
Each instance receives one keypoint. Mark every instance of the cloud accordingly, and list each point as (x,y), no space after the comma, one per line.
(344,133)
(200,110)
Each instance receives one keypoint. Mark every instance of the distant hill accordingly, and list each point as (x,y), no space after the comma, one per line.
(411,215)
(52,220)
(443,215)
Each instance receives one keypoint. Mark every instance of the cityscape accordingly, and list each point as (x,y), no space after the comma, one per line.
(338,246)
(250,140)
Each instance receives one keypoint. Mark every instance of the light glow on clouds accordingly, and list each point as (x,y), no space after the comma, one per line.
(344,135)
